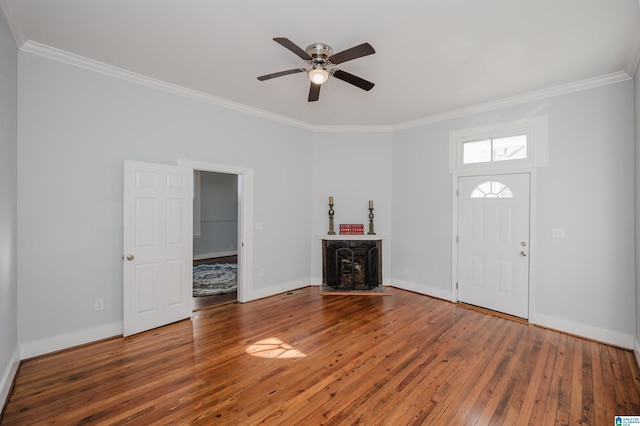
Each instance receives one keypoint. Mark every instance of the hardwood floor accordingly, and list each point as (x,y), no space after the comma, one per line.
(303,358)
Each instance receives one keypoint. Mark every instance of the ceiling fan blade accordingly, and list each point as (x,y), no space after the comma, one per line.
(352,79)
(355,52)
(293,47)
(314,92)
(280,74)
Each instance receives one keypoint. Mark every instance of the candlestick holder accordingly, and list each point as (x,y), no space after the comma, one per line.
(371,232)
(331,212)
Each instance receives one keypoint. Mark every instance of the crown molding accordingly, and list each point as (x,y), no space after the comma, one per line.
(90,64)
(353,129)
(14,19)
(100,67)
(519,99)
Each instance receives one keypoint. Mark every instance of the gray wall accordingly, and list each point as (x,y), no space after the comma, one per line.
(637,205)
(76,127)
(583,284)
(354,168)
(9,353)
(218,216)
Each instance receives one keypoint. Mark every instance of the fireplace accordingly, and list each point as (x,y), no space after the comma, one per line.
(352,264)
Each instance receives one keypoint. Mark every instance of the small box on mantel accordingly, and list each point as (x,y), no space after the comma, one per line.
(351,229)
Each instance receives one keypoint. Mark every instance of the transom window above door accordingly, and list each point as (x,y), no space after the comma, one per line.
(507,147)
(498,149)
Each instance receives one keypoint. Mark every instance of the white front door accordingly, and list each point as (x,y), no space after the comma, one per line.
(158,250)
(493,242)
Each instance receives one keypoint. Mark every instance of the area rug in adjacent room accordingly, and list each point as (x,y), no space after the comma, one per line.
(218,278)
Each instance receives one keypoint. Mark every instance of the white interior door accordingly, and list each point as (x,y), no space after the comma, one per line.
(493,242)
(158,250)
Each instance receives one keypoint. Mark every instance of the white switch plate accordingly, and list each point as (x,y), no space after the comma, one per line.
(557,233)
(258,226)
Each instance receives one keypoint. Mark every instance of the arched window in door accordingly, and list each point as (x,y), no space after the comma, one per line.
(491,189)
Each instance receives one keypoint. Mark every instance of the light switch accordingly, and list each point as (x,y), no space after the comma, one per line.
(258,226)
(557,233)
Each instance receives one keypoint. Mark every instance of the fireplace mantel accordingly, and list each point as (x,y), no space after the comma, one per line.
(351,237)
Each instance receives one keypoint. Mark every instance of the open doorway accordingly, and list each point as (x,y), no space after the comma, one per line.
(245,220)
(215,238)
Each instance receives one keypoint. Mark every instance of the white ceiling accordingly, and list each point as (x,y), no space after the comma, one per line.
(432,56)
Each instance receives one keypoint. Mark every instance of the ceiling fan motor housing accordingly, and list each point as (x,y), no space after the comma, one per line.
(320,53)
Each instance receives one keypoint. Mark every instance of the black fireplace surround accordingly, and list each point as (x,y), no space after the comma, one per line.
(351,264)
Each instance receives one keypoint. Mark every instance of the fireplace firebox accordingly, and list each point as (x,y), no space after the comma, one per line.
(352,264)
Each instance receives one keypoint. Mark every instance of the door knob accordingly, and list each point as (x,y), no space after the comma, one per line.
(523,244)
(130,257)
(523,254)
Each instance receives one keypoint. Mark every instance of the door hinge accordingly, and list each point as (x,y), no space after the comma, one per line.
(457,240)
(456,285)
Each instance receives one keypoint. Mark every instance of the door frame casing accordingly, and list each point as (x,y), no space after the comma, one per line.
(245,219)
(532,229)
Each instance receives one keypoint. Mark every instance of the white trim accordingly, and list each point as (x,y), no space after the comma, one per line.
(280,288)
(214,255)
(68,340)
(594,333)
(343,237)
(100,67)
(8,376)
(519,99)
(90,64)
(536,129)
(246,291)
(421,288)
(353,129)
(533,231)
(197,220)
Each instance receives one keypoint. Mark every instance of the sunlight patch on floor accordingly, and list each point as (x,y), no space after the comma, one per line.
(273,348)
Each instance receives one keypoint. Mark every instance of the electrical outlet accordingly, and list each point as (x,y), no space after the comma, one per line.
(99,304)
(557,233)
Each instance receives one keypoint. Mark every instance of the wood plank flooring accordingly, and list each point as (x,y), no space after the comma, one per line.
(302,358)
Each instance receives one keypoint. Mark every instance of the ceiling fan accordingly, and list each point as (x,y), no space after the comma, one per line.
(321,62)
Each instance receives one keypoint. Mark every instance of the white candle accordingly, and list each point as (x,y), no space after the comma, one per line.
(330,199)
(370,204)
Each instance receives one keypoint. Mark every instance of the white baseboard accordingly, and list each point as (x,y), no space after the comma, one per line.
(7,377)
(69,340)
(214,255)
(255,294)
(594,333)
(587,331)
(421,288)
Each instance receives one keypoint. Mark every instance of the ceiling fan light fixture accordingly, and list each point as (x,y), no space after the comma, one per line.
(318,75)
